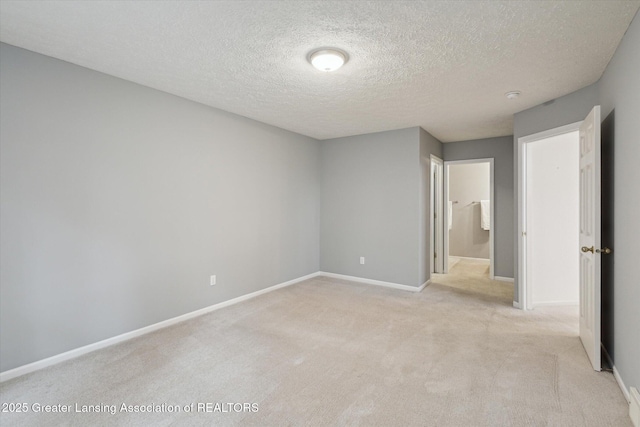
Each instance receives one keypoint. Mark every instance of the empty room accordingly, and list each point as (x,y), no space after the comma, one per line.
(319,213)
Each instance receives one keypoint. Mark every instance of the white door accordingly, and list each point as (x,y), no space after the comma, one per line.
(590,236)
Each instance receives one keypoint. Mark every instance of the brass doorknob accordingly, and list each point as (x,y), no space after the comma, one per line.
(586,249)
(605,251)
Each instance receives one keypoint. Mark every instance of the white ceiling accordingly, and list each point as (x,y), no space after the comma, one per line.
(441,65)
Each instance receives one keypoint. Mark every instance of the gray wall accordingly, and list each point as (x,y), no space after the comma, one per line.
(618,92)
(372,205)
(619,95)
(119,201)
(565,110)
(469,183)
(501,150)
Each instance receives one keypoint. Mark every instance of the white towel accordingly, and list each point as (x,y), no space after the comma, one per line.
(485,214)
(450,215)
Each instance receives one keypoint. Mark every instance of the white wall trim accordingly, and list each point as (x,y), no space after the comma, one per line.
(606,355)
(634,406)
(517,305)
(376,282)
(77,352)
(616,375)
(561,130)
(554,303)
(624,389)
(503,279)
(523,296)
(72,354)
(470,258)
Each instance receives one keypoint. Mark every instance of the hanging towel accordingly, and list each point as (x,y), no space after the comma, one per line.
(485,214)
(450,214)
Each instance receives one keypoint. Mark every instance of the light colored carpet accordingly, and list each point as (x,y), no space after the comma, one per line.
(330,352)
(472,275)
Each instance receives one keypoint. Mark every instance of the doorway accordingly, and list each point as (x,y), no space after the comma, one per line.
(437,221)
(534,153)
(469,219)
(589,229)
(551,191)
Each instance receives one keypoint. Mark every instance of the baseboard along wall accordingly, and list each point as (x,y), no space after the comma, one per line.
(80,351)
(623,388)
(72,354)
(470,258)
(376,282)
(554,303)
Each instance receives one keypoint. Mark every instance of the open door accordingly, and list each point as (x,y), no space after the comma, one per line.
(590,251)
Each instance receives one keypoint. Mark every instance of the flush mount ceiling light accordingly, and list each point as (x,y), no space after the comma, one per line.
(328,59)
(513,94)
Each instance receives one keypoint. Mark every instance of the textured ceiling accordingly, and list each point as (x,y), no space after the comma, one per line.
(444,66)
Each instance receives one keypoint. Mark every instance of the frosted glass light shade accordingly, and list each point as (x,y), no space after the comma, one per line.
(328,59)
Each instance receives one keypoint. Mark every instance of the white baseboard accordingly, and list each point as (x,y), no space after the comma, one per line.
(618,378)
(634,407)
(470,258)
(604,351)
(517,304)
(633,398)
(376,282)
(624,389)
(503,279)
(554,303)
(72,354)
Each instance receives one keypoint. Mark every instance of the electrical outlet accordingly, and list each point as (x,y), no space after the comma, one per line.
(361,260)
(212,280)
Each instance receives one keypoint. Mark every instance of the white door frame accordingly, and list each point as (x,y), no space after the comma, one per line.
(524,291)
(437,213)
(446,207)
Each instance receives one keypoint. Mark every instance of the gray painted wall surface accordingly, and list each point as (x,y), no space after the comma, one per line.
(565,110)
(371,206)
(501,150)
(119,202)
(619,91)
(469,183)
